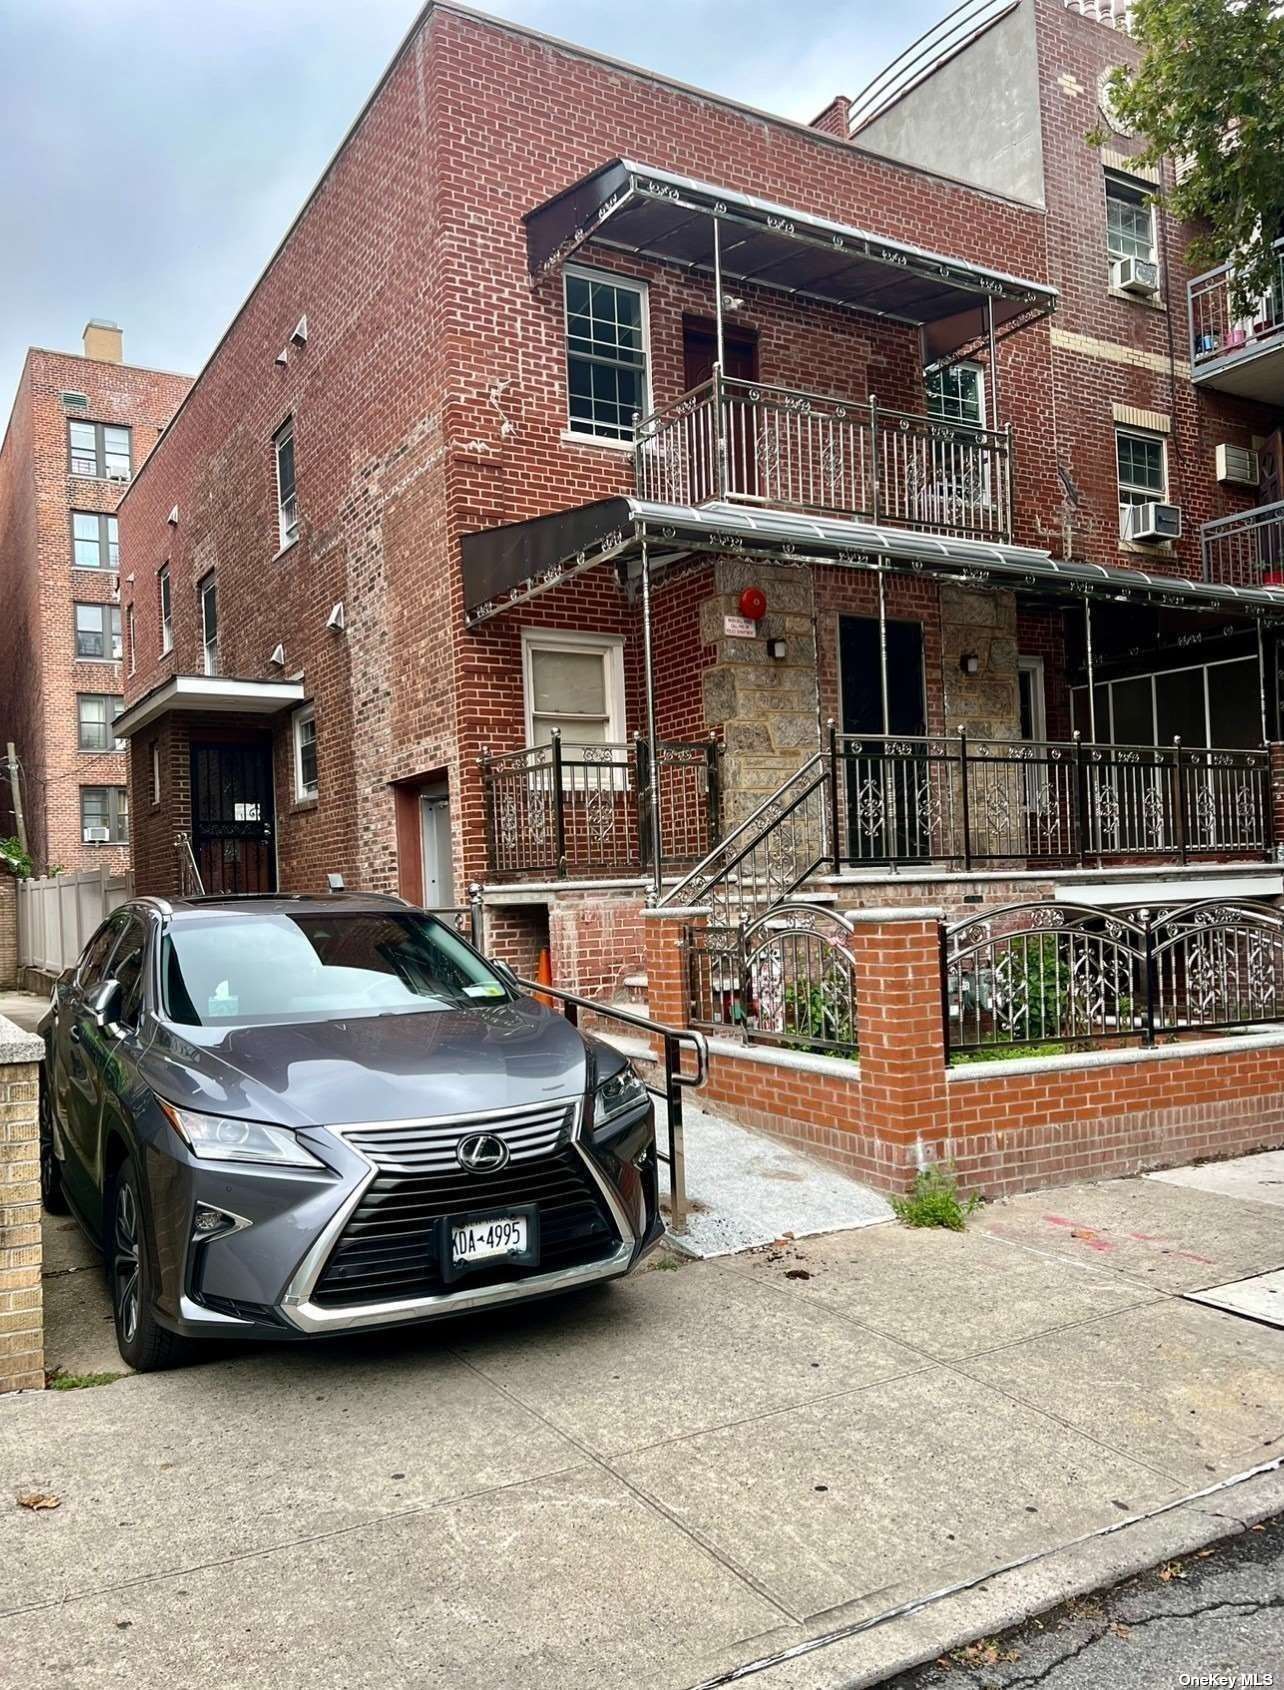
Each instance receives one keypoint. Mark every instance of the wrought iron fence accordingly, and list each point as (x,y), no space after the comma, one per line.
(1217,333)
(1245,550)
(565,809)
(953,798)
(1071,975)
(750,443)
(785,977)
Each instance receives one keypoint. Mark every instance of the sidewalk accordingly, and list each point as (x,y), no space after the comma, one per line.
(648,1486)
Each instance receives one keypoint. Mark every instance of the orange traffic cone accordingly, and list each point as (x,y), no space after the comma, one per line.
(544,975)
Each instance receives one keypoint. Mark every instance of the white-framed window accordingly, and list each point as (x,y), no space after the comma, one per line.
(97,632)
(208,592)
(156,793)
(957,394)
(95,713)
(94,543)
(607,354)
(575,683)
(132,636)
(305,753)
(1141,462)
(165,594)
(1130,219)
(287,499)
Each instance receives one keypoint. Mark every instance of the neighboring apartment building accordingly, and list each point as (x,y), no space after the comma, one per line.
(419,602)
(79,429)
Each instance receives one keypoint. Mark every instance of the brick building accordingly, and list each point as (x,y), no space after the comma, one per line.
(80,427)
(545,502)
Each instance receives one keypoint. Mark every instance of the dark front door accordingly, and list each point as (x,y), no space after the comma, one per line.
(700,350)
(886,786)
(233,820)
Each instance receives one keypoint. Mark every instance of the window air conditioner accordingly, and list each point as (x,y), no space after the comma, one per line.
(96,835)
(1135,275)
(1239,465)
(1152,522)
(118,475)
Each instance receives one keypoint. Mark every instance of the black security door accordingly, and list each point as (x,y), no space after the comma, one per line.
(884,820)
(233,834)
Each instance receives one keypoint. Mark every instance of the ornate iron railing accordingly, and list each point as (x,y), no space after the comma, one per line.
(1071,975)
(956,799)
(785,977)
(748,443)
(1217,334)
(1245,550)
(566,809)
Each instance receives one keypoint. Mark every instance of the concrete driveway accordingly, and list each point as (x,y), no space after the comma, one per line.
(654,1483)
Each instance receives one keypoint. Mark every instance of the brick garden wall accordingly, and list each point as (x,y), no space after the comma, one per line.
(8,930)
(21,1331)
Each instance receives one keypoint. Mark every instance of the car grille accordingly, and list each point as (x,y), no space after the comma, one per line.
(428,1147)
(390,1247)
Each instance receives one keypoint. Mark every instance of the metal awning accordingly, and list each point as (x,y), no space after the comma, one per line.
(506,566)
(208,694)
(638,209)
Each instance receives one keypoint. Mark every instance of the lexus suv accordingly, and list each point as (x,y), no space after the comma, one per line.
(290,1116)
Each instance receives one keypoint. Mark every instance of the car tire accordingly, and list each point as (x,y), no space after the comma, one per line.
(143,1343)
(52,1195)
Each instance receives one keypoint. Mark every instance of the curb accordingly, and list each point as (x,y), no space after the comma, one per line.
(1001,1600)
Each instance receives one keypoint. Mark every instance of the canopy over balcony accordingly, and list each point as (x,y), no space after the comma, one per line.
(638,209)
(512,564)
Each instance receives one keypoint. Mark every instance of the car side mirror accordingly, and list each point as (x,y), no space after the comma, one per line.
(104,1002)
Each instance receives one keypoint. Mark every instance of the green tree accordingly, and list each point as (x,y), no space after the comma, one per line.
(1209,91)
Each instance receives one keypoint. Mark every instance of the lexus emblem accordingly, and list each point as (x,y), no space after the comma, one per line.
(481,1153)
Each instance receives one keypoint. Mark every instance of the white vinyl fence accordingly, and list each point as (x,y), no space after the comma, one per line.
(57,915)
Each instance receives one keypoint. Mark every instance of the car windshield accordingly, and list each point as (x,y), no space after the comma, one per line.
(278,966)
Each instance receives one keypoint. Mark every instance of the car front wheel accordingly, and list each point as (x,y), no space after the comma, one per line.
(52,1195)
(142,1341)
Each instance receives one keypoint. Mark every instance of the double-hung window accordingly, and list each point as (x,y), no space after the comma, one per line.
(93,541)
(287,499)
(573,683)
(104,815)
(209,623)
(957,394)
(165,594)
(95,713)
(606,354)
(99,449)
(1130,219)
(1142,466)
(306,784)
(98,632)
(133,638)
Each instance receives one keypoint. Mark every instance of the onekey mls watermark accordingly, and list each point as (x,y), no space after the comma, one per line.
(1226,1680)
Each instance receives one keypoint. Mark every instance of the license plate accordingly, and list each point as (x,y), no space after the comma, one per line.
(499,1235)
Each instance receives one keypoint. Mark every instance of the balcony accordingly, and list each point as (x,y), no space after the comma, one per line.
(1243,355)
(745,443)
(1245,550)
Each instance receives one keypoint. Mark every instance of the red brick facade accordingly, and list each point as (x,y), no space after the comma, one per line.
(40,676)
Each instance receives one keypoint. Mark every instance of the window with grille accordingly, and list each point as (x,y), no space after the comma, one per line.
(606,354)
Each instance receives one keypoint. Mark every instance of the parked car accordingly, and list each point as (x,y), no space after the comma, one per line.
(290,1116)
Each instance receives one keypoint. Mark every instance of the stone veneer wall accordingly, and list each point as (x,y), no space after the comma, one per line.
(984,624)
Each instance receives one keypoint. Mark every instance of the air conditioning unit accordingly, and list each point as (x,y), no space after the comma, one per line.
(1239,465)
(1135,275)
(96,835)
(118,475)
(1152,522)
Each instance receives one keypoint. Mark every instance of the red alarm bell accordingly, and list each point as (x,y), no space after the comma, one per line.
(753,603)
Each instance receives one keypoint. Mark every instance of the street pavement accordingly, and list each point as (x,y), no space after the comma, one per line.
(1212,1620)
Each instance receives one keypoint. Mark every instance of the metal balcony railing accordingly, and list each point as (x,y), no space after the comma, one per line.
(747,443)
(1115,14)
(1218,335)
(564,809)
(1245,550)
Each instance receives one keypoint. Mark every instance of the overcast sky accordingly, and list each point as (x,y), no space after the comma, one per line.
(152,152)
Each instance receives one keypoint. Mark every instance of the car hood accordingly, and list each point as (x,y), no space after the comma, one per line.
(371,1068)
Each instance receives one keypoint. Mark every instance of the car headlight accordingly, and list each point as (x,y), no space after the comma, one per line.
(222,1138)
(624,1090)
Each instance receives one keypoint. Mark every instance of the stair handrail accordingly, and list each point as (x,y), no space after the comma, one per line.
(736,845)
